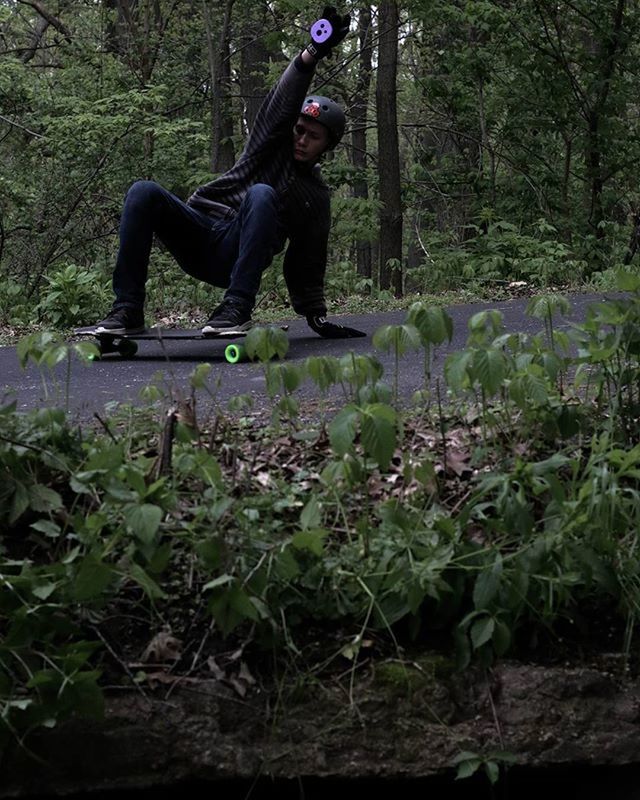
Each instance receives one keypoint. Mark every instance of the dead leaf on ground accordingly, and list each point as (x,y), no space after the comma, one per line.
(218,672)
(163,647)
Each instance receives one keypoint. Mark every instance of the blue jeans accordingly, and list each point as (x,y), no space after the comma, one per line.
(229,253)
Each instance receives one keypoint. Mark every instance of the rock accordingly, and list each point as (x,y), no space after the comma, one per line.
(403,721)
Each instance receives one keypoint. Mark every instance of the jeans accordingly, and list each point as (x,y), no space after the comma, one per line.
(229,253)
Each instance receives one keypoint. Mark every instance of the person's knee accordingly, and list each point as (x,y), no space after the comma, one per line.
(143,192)
(261,194)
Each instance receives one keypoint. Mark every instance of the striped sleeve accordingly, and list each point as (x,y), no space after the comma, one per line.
(280,107)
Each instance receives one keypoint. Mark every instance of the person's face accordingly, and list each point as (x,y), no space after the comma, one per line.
(310,140)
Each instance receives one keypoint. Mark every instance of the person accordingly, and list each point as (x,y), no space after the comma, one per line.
(228,231)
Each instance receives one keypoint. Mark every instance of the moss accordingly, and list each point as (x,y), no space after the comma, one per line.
(406,678)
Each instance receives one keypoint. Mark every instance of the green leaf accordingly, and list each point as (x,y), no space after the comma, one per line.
(19,503)
(481,631)
(311,515)
(468,768)
(44,591)
(50,529)
(379,433)
(432,322)
(144,521)
(501,638)
(489,369)
(492,771)
(324,371)
(487,584)
(93,577)
(146,582)
(221,580)
(43,499)
(198,378)
(312,540)
(230,606)
(628,281)
(456,369)
(210,551)
(342,429)
(265,343)
(399,338)
(285,566)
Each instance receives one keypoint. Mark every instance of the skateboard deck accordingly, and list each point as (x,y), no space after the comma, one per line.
(126,344)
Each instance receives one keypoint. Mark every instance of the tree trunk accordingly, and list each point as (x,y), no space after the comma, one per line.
(222,150)
(390,251)
(254,58)
(611,48)
(359,108)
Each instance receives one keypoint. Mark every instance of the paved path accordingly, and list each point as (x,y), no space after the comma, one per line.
(91,386)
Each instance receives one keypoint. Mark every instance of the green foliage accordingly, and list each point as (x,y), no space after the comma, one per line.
(491,763)
(72,296)
(358,528)
(515,161)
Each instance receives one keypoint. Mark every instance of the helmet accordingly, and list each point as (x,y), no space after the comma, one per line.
(328,113)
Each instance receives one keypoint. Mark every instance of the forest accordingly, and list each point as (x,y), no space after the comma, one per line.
(488,141)
(490,145)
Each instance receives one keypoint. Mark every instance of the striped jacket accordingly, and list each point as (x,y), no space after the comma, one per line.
(303,196)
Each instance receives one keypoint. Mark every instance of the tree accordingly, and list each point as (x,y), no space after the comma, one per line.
(390,251)
(219,52)
(359,119)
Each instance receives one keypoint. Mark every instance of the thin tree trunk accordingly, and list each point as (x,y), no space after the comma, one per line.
(359,108)
(485,149)
(611,48)
(390,251)
(254,58)
(222,150)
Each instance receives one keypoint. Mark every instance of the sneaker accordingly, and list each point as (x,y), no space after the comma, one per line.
(229,317)
(122,320)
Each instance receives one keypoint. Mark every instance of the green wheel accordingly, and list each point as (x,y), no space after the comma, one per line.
(127,348)
(234,353)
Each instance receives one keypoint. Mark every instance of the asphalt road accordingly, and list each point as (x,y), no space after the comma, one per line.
(90,386)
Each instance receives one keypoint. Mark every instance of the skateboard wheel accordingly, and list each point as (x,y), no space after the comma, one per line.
(127,348)
(234,353)
(321,30)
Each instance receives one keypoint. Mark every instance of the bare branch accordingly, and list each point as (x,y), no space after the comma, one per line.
(37,6)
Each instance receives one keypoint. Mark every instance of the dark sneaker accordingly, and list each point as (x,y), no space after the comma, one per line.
(122,320)
(228,318)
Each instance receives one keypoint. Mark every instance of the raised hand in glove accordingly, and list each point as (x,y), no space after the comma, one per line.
(327,32)
(329,330)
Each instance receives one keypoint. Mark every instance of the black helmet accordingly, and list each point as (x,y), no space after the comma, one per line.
(328,113)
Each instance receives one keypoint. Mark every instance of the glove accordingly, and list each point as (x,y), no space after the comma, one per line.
(329,330)
(327,32)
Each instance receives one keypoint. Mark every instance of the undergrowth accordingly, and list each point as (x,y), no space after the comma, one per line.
(499,510)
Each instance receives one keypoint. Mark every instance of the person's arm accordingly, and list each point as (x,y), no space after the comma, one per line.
(281,107)
(304,269)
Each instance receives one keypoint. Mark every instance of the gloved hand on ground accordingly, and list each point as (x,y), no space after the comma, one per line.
(330,330)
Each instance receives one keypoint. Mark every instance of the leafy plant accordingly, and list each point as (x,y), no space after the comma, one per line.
(73,296)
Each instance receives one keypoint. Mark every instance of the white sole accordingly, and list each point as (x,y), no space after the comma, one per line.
(209,330)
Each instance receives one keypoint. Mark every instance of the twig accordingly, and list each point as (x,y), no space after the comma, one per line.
(494,712)
(22,127)
(106,427)
(124,666)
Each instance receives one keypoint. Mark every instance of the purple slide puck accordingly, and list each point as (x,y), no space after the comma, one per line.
(321,30)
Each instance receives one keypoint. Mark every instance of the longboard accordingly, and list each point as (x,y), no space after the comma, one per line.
(126,344)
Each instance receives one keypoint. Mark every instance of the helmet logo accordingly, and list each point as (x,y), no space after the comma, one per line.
(313,109)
